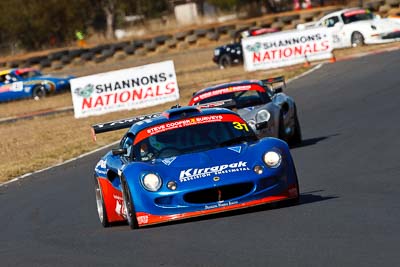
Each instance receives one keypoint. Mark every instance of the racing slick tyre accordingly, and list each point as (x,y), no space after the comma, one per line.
(296,137)
(357,39)
(128,201)
(38,92)
(281,129)
(294,201)
(225,61)
(101,208)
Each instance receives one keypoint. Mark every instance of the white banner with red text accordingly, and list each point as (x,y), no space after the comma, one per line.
(125,89)
(286,48)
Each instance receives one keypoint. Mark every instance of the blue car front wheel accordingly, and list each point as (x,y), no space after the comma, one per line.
(128,201)
(101,209)
(38,92)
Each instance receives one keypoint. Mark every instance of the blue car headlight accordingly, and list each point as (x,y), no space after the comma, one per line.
(272,159)
(151,182)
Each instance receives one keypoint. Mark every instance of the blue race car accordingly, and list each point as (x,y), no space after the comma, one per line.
(30,83)
(188,162)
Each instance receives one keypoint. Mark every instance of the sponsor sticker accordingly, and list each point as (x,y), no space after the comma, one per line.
(197,173)
(154,130)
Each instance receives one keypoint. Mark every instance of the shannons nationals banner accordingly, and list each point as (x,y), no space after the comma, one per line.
(286,48)
(125,89)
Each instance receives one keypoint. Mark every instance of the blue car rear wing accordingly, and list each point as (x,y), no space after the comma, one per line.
(120,124)
(175,111)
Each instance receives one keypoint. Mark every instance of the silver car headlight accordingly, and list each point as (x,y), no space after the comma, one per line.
(216,52)
(252,124)
(272,159)
(152,182)
(263,116)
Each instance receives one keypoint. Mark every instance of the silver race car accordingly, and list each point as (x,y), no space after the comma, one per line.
(262,103)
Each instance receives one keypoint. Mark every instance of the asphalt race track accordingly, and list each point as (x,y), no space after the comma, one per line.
(349,215)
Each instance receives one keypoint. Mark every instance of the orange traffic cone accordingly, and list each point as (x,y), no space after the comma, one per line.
(306,63)
(332,59)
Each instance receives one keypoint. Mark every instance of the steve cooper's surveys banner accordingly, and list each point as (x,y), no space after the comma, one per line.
(286,48)
(132,88)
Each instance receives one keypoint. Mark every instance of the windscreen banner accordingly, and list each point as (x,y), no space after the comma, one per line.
(125,89)
(286,48)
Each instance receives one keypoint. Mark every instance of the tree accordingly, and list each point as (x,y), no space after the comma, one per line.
(109,8)
(32,24)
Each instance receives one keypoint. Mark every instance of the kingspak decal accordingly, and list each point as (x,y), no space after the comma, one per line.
(192,174)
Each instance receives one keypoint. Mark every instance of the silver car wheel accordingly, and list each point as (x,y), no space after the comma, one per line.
(357,39)
(99,201)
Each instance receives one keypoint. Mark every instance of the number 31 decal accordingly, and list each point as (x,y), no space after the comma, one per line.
(240,126)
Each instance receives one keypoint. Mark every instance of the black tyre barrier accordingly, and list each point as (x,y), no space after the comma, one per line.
(45,63)
(150,46)
(225,29)
(213,36)
(129,49)
(171,43)
(201,32)
(162,39)
(266,25)
(107,52)
(87,56)
(138,43)
(119,46)
(98,49)
(181,35)
(35,60)
(57,55)
(76,52)
(65,59)
(191,38)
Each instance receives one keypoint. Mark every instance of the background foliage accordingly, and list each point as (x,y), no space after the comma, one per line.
(38,24)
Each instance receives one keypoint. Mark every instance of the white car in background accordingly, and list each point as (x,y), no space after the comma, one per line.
(356,27)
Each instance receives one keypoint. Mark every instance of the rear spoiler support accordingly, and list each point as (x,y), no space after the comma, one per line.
(271,82)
